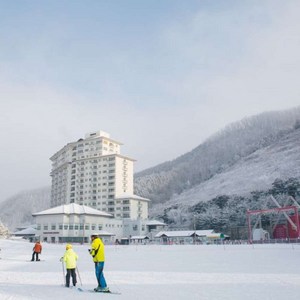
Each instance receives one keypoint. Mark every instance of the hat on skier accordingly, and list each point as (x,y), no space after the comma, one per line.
(94,234)
(68,246)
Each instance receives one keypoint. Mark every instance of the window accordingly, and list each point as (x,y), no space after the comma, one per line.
(53,226)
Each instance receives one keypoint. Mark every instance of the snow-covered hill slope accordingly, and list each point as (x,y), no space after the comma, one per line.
(214,156)
(17,210)
(255,172)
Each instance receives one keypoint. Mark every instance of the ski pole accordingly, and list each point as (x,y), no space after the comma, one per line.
(63,269)
(78,275)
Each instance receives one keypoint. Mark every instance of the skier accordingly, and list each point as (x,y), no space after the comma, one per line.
(70,258)
(37,249)
(97,252)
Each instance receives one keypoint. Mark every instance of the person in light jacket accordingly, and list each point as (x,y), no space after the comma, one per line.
(70,258)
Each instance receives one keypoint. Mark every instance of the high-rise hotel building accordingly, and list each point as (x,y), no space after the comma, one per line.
(92,172)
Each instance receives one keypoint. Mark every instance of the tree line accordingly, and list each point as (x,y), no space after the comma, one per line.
(228,213)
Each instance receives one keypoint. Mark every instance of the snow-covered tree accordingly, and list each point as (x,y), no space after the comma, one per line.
(4,232)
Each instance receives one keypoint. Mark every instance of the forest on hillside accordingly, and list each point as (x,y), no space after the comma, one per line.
(216,154)
(227,214)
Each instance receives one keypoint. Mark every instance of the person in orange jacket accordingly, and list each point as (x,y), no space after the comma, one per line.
(37,249)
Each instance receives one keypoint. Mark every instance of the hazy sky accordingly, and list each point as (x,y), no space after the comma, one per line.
(158,75)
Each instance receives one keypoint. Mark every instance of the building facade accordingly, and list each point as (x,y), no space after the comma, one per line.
(92,172)
(74,223)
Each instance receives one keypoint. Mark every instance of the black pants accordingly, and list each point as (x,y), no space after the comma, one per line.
(71,272)
(36,256)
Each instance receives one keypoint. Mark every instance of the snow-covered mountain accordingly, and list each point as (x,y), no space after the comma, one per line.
(228,148)
(245,156)
(255,172)
(17,210)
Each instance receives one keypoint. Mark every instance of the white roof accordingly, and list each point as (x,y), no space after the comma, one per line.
(25,231)
(73,209)
(102,233)
(204,232)
(177,233)
(184,233)
(155,222)
(27,226)
(132,196)
(139,237)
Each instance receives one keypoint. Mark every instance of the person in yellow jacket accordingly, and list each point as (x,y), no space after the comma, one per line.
(97,251)
(70,258)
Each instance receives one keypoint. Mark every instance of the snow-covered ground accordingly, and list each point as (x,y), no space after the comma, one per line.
(143,272)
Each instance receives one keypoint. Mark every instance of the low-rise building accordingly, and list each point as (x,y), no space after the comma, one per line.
(184,236)
(26,233)
(74,223)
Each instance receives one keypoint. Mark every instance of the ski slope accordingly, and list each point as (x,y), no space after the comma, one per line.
(159,272)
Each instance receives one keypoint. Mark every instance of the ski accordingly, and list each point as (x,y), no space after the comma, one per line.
(108,292)
(35,260)
(92,291)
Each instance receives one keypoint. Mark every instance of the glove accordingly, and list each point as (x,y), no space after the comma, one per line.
(61,259)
